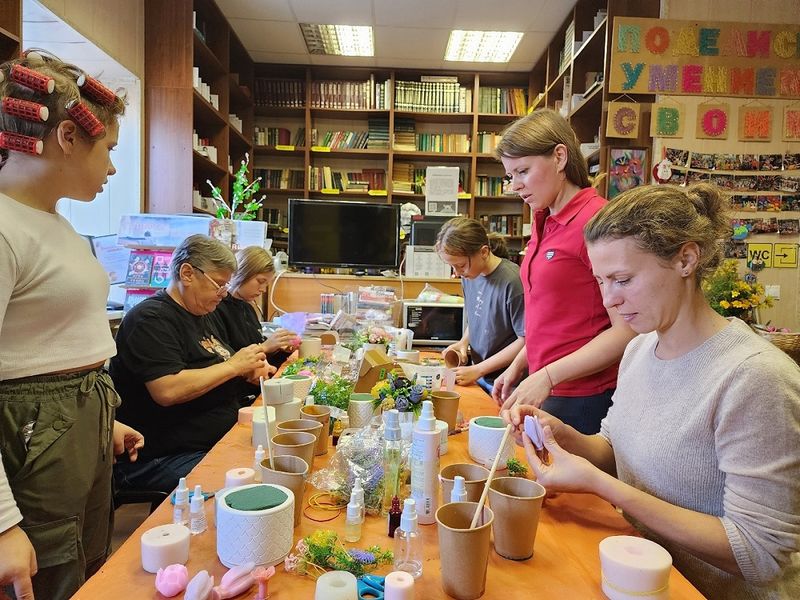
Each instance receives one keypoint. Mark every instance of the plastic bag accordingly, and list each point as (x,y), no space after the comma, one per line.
(432,294)
(358,455)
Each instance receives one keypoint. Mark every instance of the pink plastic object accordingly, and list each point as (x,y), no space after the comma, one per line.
(172,580)
(533,429)
(234,582)
(262,576)
(200,587)
(85,118)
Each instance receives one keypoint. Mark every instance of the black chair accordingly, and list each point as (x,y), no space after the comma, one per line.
(153,497)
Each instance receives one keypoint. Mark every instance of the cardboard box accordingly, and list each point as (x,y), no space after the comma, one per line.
(375,366)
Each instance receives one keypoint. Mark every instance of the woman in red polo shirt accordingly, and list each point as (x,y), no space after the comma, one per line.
(572,343)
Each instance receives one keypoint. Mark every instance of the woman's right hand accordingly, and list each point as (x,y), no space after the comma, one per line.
(19,562)
(282,339)
(504,384)
(248,359)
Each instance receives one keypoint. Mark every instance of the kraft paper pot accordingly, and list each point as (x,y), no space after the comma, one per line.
(296,443)
(475,477)
(290,472)
(307,425)
(453,359)
(516,503)
(445,407)
(361,409)
(277,391)
(310,346)
(464,552)
(302,384)
(320,414)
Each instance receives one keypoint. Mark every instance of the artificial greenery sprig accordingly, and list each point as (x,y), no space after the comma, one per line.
(322,550)
(335,391)
(516,468)
(243,193)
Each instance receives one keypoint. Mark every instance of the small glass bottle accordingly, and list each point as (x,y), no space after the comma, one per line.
(197,512)
(392,458)
(180,513)
(408,542)
(394,516)
(353,520)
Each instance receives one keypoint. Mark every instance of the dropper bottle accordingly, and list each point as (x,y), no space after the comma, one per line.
(408,542)
(459,491)
(352,523)
(197,512)
(180,513)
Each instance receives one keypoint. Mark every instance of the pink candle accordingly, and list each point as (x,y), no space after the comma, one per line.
(399,585)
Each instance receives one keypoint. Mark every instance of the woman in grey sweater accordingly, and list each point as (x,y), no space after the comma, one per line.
(700,448)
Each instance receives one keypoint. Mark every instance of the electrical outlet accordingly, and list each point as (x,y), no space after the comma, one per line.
(773,290)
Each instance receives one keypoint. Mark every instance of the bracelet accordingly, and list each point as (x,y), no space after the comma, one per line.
(550,379)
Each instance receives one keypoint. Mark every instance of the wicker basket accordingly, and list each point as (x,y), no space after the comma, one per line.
(788,342)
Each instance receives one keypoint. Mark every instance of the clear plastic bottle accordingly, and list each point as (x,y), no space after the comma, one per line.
(180,513)
(425,465)
(392,458)
(358,490)
(197,512)
(353,520)
(408,542)
(259,456)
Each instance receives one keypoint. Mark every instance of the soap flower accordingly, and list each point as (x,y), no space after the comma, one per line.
(400,392)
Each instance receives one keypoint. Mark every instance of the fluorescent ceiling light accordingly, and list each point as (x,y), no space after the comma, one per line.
(342,40)
(482,46)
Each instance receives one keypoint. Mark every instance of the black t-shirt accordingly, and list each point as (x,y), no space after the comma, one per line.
(158,337)
(239,322)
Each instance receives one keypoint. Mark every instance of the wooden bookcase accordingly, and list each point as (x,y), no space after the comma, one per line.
(175,109)
(10,29)
(591,54)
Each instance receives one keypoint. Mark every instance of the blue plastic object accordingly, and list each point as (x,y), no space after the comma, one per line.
(371,587)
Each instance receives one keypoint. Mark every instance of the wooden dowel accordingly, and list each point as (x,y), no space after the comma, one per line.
(485,493)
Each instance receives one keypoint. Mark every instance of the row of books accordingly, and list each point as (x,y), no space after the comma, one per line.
(378,133)
(344,139)
(351,94)
(504,101)
(432,96)
(148,268)
(286,93)
(281,179)
(326,178)
(441,142)
(502,224)
(487,141)
(488,185)
(275,136)
(406,178)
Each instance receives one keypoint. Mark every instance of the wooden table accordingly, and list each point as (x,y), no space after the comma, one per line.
(565,563)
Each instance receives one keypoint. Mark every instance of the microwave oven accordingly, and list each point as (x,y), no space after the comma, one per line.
(434,323)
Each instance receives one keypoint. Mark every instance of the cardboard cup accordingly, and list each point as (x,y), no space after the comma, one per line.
(453,359)
(307,425)
(516,503)
(464,552)
(296,443)
(320,414)
(290,472)
(475,477)
(310,346)
(445,407)
(361,409)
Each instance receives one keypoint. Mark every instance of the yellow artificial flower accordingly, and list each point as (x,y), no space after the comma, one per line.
(387,404)
(734,294)
(379,387)
(724,304)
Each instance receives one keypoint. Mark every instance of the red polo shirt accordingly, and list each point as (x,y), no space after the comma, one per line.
(563,305)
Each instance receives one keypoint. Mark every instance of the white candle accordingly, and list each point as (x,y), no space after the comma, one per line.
(632,566)
(163,546)
(240,476)
(399,585)
(336,585)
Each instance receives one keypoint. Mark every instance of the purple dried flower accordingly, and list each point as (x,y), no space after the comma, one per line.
(416,394)
(362,556)
(401,403)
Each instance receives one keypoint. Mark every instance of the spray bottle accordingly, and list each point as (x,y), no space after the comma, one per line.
(358,490)
(392,458)
(425,464)
(259,456)
(353,520)
(180,514)
(408,542)
(459,491)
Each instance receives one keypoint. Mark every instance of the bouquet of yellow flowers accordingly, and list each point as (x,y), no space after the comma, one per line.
(400,392)
(731,296)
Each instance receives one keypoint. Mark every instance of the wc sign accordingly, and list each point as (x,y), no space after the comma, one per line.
(777,256)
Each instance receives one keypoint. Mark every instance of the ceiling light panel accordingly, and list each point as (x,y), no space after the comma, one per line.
(341,40)
(482,46)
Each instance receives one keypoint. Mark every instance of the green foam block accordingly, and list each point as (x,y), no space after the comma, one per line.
(260,497)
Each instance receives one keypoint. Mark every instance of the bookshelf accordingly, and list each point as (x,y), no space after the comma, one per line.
(10,29)
(573,73)
(198,97)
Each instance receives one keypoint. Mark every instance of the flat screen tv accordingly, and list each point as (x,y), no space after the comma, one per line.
(343,233)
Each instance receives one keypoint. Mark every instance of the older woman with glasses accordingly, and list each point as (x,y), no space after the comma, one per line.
(180,382)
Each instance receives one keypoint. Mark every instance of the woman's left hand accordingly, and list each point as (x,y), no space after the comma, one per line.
(467,375)
(282,339)
(266,372)
(127,439)
(560,471)
(533,390)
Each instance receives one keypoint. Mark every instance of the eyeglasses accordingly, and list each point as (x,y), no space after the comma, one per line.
(221,289)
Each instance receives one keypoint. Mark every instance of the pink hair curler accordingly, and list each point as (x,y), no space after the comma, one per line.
(32,79)
(21,143)
(25,109)
(96,91)
(85,118)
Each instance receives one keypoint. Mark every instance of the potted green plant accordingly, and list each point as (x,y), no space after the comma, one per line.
(731,296)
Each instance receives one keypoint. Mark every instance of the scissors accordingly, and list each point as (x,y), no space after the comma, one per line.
(370,587)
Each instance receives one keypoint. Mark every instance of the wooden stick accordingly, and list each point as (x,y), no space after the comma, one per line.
(485,493)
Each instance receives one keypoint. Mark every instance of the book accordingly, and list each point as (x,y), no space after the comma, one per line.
(140,267)
(160,275)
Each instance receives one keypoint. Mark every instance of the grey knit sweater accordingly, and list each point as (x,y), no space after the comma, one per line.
(718,431)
